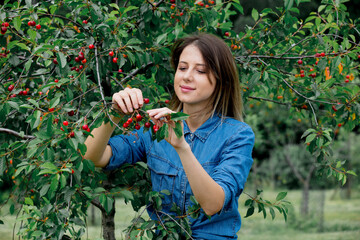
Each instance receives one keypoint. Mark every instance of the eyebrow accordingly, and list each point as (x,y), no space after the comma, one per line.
(198,64)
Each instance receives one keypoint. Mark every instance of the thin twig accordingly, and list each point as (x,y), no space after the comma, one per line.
(177,223)
(269,100)
(17,134)
(136,220)
(101,89)
(312,109)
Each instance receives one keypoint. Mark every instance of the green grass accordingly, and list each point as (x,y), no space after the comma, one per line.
(342,220)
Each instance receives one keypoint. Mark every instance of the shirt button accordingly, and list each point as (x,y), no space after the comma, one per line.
(182,192)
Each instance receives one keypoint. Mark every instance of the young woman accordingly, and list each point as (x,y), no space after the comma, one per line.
(213,157)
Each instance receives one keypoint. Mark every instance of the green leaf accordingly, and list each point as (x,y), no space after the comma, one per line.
(310,138)
(288,4)
(129,9)
(55,101)
(161,38)
(17,23)
(179,116)
(307,132)
(255,14)
(29,201)
(239,7)
(272,213)
(178,130)
(61,59)
(281,196)
(250,212)
(351,172)
(32,34)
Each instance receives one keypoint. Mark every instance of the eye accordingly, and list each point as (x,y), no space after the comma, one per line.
(201,71)
(182,68)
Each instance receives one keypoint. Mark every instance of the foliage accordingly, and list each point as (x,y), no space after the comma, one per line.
(62,60)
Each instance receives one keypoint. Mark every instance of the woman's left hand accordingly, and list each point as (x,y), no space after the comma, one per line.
(161,115)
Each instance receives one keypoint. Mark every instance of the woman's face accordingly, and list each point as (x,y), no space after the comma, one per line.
(194,83)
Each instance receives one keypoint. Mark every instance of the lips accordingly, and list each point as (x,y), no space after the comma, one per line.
(186,88)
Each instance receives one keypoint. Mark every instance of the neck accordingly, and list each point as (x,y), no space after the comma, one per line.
(197,116)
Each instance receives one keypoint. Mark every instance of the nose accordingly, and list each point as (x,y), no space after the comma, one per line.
(188,75)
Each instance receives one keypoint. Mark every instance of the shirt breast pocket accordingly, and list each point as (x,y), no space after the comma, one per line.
(163,177)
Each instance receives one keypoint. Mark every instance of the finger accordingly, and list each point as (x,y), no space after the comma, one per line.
(159,113)
(125,100)
(136,97)
(119,103)
(139,97)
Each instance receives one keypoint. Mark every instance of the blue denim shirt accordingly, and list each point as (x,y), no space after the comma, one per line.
(222,146)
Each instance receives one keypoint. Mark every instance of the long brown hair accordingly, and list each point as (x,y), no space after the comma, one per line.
(226,99)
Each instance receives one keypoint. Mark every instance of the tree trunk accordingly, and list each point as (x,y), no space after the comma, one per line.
(305,199)
(108,223)
(321,210)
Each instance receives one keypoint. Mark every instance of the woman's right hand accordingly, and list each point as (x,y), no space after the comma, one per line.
(127,100)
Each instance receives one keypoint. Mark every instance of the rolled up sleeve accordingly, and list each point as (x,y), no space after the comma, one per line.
(129,148)
(234,167)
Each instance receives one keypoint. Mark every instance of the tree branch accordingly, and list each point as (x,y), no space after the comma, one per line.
(293,168)
(17,134)
(269,100)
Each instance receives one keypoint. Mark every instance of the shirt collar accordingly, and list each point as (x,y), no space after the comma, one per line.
(205,129)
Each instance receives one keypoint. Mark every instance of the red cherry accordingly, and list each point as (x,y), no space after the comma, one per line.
(346,80)
(85,22)
(115,60)
(71,113)
(13,95)
(88,130)
(3,30)
(155,128)
(334,108)
(302,75)
(77,59)
(55,61)
(77,69)
(358,56)
(322,54)
(348,76)
(51,110)
(91,46)
(61,128)
(29,23)
(138,117)
(129,121)
(33,23)
(172,1)
(38,27)
(65,123)
(111,53)
(81,67)
(72,171)
(300,61)
(146,100)
(72,134)
(301,71)
(227,34)
(56,80)
(24,92)
(167,101)
(137,127)
(83,61)
(125,125)
(120,70)
(6,24)
(10,88)
(85,127)
(317,55)
(147,125)
(339,125)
